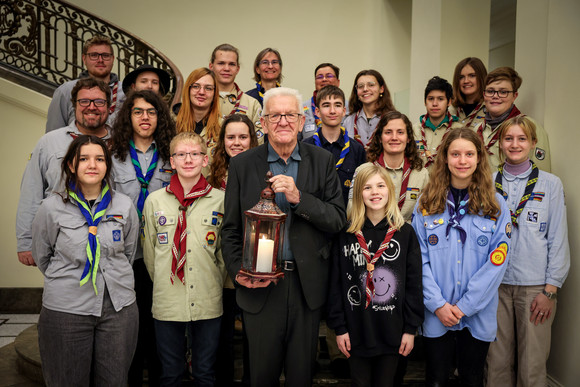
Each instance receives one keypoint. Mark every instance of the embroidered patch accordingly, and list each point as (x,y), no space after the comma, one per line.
(482,240)
(259,133)
(490,218)
(347,183)
(542,226)
(537,196)
(115,216)
(158,213)
(166,170)
(413,196)
(165,184)
(162,220)
(508,230)
(433,239)
(210,238)
(162,238)
(532,217)
(413,189)
(497,256)
(540,154)
(503,246)
(116,235)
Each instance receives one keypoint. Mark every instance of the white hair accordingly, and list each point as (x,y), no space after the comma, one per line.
(282,92)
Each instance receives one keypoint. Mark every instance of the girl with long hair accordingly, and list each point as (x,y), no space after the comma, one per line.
(468,85)
(539,263)
(369,100)
(464,231)
(375,301)
(200,109)
(84,242)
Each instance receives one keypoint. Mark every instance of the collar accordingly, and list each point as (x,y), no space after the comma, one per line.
(396,169)
(339,142)
(430,125)
(509,177)
(273,156)
(114,78)
(381,225)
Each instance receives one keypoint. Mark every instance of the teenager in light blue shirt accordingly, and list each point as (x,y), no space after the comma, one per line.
(464,232)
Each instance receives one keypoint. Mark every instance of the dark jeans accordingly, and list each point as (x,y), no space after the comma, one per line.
(71,344)
(376,371)
(225,355)
(171,348)
(440,353)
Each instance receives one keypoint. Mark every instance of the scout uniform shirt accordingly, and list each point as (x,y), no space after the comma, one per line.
(200,298)
(248,106)
(470,120)
(433,137)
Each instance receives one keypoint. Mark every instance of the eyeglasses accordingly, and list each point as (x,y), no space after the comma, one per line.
(85,102)
(500,93)
(138,112)
(369,85)
(95,56)
(269,62)
(275,118)
(197,87)
(327,76)
(183,155)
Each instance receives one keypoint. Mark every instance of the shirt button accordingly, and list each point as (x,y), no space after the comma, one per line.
(459,241)
(192,304)
(189,250)
(458,261)
(458,282)
(190,269)
(483,227)
(191,286)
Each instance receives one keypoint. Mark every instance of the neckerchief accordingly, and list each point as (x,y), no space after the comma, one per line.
(404,181)
(317,119)
(179,247)
(261,91)
(355,129)
(456,214)
(93,244)
(471,115)
(431,157)
(144,180)
(532,180)
(513,113)
(370,288)
(345,149)
(238,99)
(113,98)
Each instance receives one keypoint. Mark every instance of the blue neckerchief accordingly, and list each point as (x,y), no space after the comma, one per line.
(456,213)
(144,180)
(345,148)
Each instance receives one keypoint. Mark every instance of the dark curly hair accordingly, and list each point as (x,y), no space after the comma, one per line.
(123,127)
(376,145)
(221,159)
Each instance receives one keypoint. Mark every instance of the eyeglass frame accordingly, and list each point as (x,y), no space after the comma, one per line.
(490,93)
(93,101)
(325,76)
(97,55)
(268,117)
(182,156)
(197,87)
(138,112)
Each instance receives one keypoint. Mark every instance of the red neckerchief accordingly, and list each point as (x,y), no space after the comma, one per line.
(514,113)
(405,180)
(471,115)
(238,98)
(179,247)
(431,157)
(114,98)
(370,290)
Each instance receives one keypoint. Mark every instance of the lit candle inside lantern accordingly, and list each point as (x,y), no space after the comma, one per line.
(265,255)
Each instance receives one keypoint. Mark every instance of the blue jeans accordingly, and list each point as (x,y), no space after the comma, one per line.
(171,349)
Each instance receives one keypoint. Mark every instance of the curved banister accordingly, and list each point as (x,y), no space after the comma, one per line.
(41,45)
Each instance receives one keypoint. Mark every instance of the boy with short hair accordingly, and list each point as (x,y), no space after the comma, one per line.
(182,252)
(434,125)
(499,94)
(332,136)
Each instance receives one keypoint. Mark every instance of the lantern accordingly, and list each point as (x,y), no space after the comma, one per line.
(264,238)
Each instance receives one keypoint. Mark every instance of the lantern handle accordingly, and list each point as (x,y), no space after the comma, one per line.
(268,192)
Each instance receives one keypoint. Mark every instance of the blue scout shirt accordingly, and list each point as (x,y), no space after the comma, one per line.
(467,275)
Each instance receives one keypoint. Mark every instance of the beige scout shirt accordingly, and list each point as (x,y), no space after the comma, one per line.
(417,180)
(478,116)
(248,106)
(540,154)
(432,137)
(201,296)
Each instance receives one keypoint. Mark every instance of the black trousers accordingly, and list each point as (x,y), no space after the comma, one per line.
(376,371)
(440,353)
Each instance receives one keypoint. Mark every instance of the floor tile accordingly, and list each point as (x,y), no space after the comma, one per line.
(6,340)
(12,329)
(20,318)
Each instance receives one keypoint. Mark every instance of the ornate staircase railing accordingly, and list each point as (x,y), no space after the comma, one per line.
(41,45)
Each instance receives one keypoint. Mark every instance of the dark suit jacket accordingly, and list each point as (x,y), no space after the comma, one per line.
(319,213)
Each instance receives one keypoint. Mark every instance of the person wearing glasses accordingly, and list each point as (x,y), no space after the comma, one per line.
(499,94)
(282,320)
(182,251)
(200,111)
(140,146)
(42,175)
(369,100)
(225,63)
(267,73)
(324,74)
(98,58)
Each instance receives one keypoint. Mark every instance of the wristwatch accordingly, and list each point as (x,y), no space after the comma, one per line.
(550,295)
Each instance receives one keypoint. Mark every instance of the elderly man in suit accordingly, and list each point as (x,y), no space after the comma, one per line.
(282,319)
